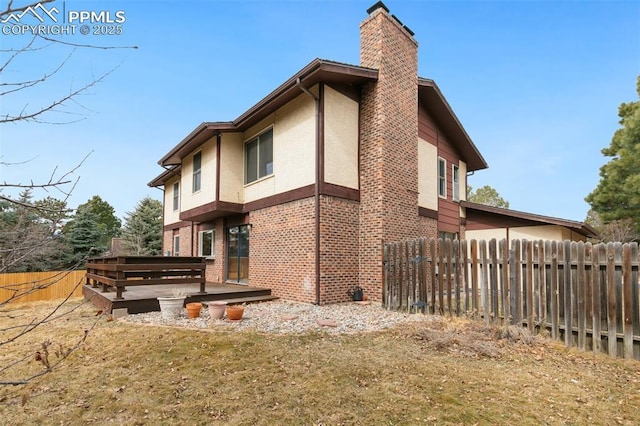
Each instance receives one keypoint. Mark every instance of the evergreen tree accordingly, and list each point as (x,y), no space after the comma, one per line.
(617,196)
(84,237)
(486,195)
(29,233)
(107,224)
(142,232)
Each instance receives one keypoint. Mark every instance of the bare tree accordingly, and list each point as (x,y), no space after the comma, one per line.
(65,108)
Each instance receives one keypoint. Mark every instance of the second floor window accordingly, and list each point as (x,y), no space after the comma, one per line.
(197,171)
(176,196)
(258,157)
(456,183)
(442,177)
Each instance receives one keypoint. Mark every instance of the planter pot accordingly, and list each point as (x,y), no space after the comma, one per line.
(216,309)
(171,307)
(234,313)
(193,309)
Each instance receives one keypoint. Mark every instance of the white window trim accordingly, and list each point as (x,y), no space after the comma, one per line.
(456,183)
(176,238)
(213,243)
(440,159)
(244,155)
(193,171)
(176,208)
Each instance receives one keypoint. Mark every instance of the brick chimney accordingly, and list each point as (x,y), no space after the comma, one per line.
(388,141)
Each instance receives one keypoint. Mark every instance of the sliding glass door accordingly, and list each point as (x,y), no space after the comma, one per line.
(238,254)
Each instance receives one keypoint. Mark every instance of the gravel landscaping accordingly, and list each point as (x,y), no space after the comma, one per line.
(292,317)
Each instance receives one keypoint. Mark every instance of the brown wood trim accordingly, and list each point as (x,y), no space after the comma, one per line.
(175,225)
(320,133)
(223,207)
(284,197)
(236,220)
(425,212)
(339,191)
(218,150)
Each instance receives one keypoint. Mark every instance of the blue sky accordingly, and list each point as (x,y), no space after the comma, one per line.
(536,85)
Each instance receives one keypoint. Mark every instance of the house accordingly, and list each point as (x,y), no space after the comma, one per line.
(487,222)
(298,193)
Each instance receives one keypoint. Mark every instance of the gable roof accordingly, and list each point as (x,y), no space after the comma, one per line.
(316,71)
(430,95)
(322,70)
(517,218)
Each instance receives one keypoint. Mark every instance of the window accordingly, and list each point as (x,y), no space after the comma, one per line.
(442,177)
(456,183)
(447,235)
(205,243)
(197,166)
(258,157)
(176,196)
(176,245)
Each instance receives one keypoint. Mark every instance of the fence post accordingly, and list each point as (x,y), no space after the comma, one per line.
(599,255)
(515,272)
(627,296)
(504,281)
(568,325)
(612,339)
(474,278)
(528,245)
(493,280)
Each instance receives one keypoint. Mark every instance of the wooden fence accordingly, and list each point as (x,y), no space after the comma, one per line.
(586,295)
(33,286)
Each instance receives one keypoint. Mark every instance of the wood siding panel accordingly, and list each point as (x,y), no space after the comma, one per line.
(448,216)
(427,128)
(448,210)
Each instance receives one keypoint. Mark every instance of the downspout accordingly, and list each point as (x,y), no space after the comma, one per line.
(192,239)
(316,99)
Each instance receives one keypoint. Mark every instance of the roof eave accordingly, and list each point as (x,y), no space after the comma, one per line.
(581,227)
(314,72)
(199,135)
(474,159)
(164,176)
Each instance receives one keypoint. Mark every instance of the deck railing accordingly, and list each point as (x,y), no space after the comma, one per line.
(122,271)
(586,295)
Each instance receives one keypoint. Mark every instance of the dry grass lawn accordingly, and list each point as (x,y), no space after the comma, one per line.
(447,371)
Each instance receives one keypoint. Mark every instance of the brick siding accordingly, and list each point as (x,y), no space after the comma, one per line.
(389,144)
(282,250)
(338,248)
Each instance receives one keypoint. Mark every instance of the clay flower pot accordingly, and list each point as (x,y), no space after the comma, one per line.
(216,309)
(193,309)
(234,313)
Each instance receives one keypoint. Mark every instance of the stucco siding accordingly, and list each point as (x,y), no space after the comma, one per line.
(427,175)
(545,232)
(486,234)
(170,215)
(207,192)
(340,139)
(293,149)
(231,168)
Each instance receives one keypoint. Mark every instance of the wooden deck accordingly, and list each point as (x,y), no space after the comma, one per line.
(139,299)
